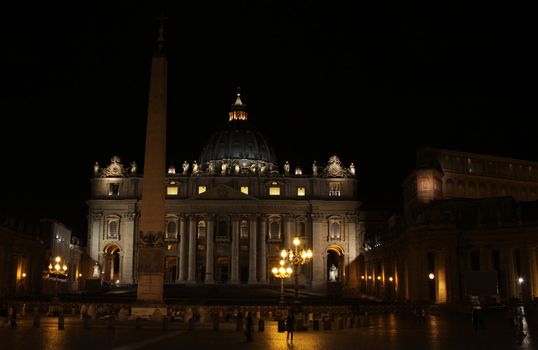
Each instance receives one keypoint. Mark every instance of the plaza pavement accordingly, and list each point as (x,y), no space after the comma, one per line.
(447,330)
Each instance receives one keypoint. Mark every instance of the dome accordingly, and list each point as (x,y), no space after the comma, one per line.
(236,143)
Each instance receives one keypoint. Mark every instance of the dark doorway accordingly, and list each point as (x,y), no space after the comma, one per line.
(243,277)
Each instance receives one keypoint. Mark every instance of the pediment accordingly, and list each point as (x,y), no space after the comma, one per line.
(223,192)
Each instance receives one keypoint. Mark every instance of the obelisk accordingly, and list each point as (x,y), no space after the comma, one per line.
(151,251)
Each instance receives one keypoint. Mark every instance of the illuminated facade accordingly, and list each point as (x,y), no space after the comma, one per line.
(229,213)
(468,229)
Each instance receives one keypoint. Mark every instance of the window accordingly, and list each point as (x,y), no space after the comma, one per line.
(301,229)
(172,189)
(334,189)
(200,247)
(243,247)
(274,229)
(244,189)
(301,192)
(171,229)
(274,191)
(202,228)
(201,189)
(475,260)
(222,229)
(114,189)
(113,226)
(243,232)
(334,230)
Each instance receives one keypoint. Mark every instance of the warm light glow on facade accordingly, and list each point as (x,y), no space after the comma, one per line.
(301,192)
(274,191)
(238,115)
(244,189)
(202,189)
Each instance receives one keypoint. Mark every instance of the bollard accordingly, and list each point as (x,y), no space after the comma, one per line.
(215,322)
(315,325)
(61,321)
(261,325)
(190,326)
(138,323)
(110,323)
(281,325)
(165,323)
(86,320)
(239,325)
(37,320)
(366,319)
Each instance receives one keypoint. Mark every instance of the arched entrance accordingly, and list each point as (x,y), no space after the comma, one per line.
(111,264)
(335,268)
(335,264)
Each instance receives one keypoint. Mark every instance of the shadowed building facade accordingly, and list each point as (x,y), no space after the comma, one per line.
(469,228)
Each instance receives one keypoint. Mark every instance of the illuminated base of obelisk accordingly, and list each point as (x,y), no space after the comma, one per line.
(150,275)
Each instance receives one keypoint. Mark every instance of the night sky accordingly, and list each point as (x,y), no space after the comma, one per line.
(76,85)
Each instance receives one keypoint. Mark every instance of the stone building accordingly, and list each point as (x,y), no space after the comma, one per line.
(22,256)
(469,229)
(230,212)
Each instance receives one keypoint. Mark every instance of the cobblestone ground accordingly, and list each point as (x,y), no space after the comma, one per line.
(392,331)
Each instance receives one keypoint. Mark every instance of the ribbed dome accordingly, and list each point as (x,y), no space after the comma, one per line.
(238,143)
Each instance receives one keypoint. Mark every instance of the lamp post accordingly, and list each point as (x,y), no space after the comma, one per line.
(57,270)
(281,273)
(520,281)
(297,257)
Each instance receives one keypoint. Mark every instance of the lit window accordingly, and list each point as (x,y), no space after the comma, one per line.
(244,189)
(301,192)
(113,228)
(114,189)
(200,247)
(201,229)
(172,189)
(335,228)
(171,229)
(201,189)
(243,232)
(334,189)
(274,230)
(243,248)
(274,191)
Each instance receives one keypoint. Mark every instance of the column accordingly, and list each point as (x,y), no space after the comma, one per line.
(318,261)
(182,247)
(191,277)
(289,222)
(252,278)
(209,265)
(533,278)
(95,235)
(263,258)
(234,278)
(511,283)
(352,235)
(127,256)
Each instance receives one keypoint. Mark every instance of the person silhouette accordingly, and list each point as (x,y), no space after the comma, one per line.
(290,326)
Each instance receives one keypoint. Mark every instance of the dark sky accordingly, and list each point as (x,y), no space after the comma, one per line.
(369,83)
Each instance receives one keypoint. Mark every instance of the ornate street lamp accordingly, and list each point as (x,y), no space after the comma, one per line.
(282,272)
(297,257)
(57,270)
